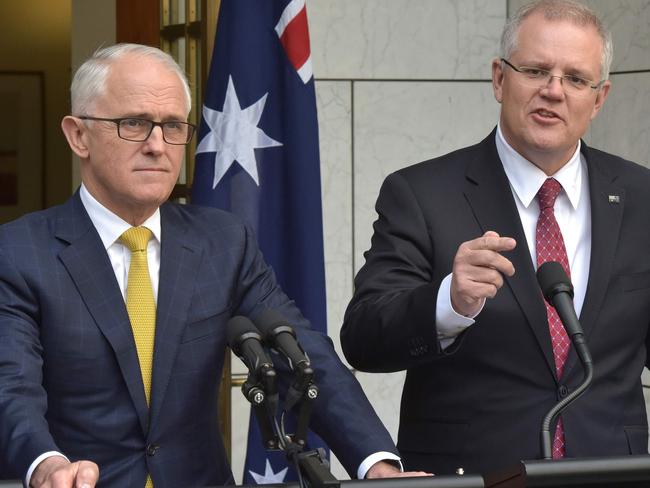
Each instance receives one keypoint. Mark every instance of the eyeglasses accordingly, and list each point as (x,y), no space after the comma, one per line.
(539,78)
(138,130)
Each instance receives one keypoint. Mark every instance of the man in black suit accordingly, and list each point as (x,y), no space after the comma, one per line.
(448,291)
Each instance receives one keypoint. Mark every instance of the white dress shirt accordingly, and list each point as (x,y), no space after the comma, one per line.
(110,227)
(572,211)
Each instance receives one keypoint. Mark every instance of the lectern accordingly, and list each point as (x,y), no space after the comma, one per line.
(604,472)
(467,481)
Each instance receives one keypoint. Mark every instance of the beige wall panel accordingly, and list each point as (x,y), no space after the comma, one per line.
(629,22)
(335,134)
(402,123)
(404,38)
(623,126)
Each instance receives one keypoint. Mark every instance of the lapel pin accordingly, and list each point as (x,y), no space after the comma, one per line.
(613,199)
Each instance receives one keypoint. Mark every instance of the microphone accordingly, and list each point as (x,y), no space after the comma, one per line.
(245,341)
(558,292)
(280,335)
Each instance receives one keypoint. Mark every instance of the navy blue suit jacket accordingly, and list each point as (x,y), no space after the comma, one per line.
(69,374)
(479,404)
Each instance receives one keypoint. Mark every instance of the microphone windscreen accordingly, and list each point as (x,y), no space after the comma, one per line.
(551,277)
(269,320)
(236,328)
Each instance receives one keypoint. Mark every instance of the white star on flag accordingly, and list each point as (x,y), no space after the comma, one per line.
(269,477)
(234,135)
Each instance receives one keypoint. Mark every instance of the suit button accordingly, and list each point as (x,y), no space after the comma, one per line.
(562,391)
(152,449)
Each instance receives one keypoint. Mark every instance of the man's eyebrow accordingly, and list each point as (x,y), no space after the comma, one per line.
(133,115)
(536,64)
(579,72)
(141,115)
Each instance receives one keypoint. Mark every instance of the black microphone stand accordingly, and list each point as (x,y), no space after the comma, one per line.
(547,446)
(261,392)
(311,466)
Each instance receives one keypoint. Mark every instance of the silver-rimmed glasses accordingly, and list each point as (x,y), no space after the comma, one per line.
(535,77)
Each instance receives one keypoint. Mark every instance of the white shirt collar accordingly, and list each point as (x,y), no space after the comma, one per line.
(526,179)
(109,226)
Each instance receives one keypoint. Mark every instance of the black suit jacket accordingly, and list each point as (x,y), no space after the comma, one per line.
(479,404)
(69,374)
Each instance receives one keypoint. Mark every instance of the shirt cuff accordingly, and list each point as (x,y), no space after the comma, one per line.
(39,460)
(375,458)
(449,323)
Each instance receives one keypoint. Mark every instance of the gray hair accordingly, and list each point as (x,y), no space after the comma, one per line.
(90,79)
(571,10)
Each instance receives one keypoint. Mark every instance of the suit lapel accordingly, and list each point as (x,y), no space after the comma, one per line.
(488,193)
(90,269)
(179,262)
(606,220)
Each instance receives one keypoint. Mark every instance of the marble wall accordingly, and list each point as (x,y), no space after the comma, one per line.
(400,81)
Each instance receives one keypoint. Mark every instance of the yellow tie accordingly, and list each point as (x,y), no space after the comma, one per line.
(139,301)
(141,306)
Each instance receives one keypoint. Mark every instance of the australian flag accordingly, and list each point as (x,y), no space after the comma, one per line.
(258,157)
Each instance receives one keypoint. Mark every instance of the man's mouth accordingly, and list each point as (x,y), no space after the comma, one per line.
(547,114)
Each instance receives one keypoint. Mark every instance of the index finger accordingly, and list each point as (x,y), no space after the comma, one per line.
(492,241)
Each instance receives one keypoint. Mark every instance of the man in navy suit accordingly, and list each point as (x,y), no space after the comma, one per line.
(73,403)
(448,291)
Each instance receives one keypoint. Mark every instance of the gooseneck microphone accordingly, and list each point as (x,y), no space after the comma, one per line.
(558,292)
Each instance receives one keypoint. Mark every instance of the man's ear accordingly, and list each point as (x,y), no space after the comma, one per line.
(75,132)
(600,98)
(497,79)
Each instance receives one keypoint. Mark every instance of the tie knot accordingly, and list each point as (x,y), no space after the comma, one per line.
(548,193)
(136,238)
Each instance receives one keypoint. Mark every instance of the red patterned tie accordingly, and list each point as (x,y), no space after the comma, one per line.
(550,247)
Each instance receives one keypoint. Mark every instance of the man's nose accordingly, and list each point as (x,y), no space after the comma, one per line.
(156,142)
(554,86)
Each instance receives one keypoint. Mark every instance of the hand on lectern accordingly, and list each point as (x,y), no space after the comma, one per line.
(384,469)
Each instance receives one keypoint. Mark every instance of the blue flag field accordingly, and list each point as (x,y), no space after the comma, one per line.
(258,157)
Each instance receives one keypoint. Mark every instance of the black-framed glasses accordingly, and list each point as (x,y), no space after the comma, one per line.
(135,129)
(539,77)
